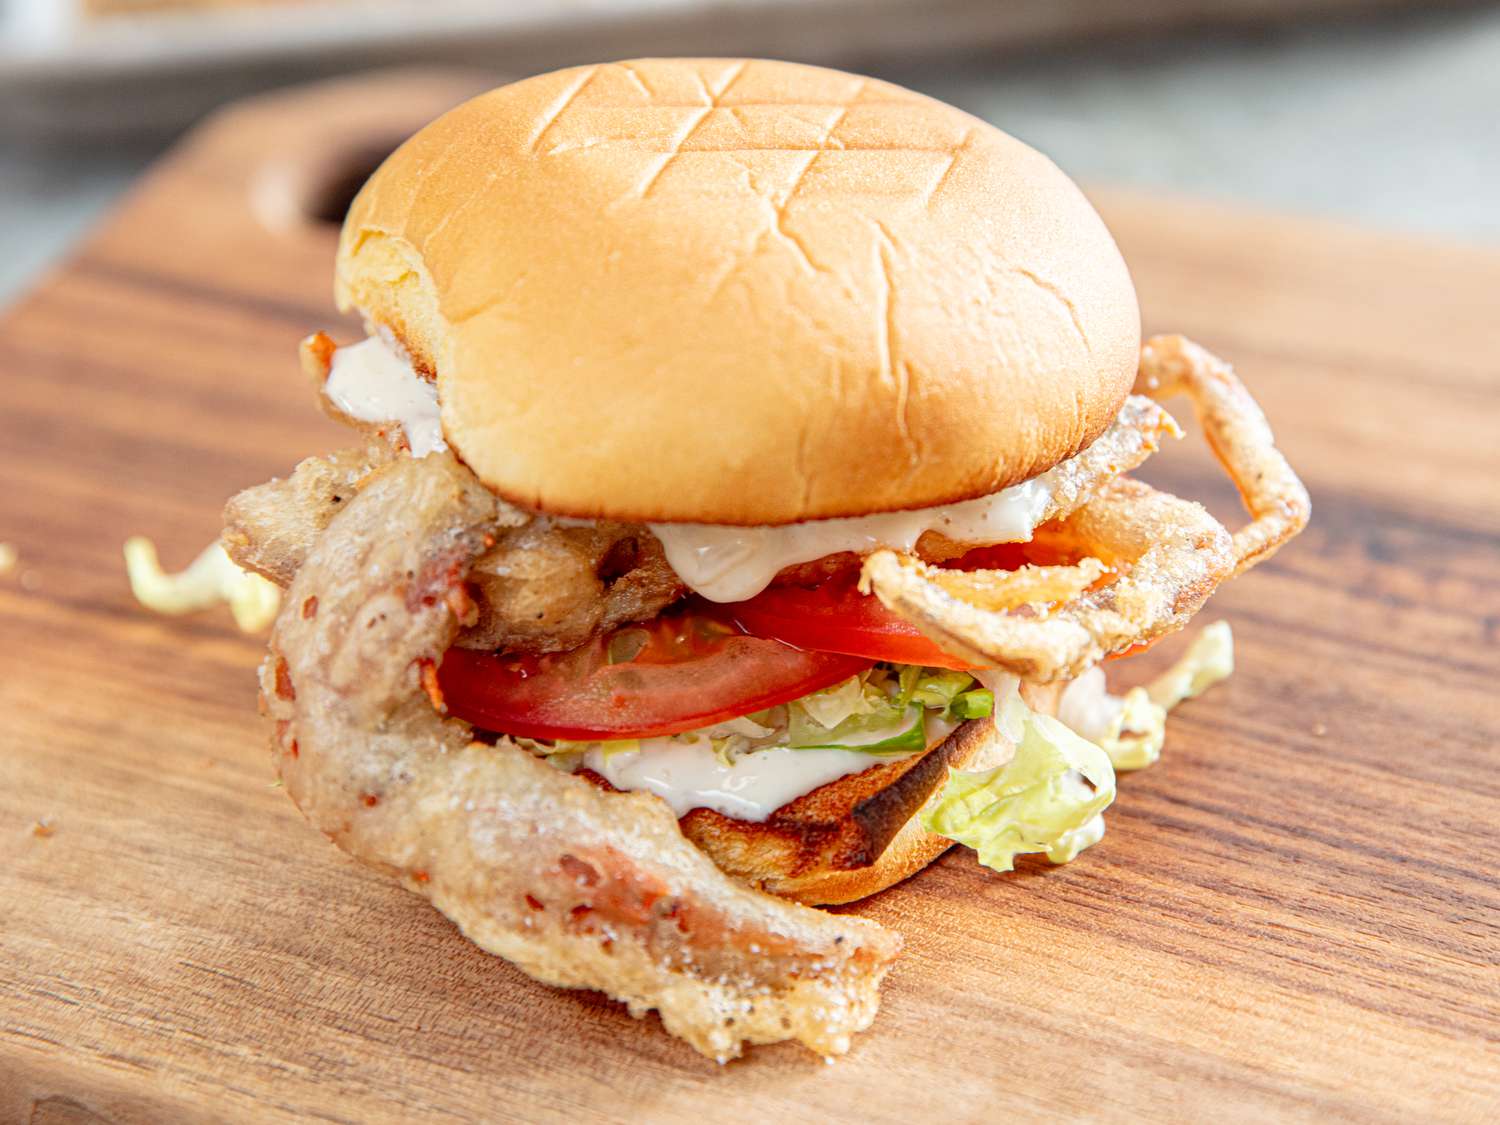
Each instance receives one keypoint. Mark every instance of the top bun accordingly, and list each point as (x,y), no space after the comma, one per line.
(742,292)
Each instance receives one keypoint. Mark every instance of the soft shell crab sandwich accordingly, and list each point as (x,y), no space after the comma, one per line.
(735,515)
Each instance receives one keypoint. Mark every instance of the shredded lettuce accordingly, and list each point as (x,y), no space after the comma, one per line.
(887,709)
(566,746)
(745,726)
(976,704)
(1209,659)
(212,578)
(1069,844)
(1008,709)
(730,748)
(833,706)
(1134,739)
(1047,798)
(883,710)
(1131,728)
(732,738)
(938,687)
(890,731)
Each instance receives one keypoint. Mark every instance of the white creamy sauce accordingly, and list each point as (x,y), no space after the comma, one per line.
(370,382)
(686,774)
(730,564)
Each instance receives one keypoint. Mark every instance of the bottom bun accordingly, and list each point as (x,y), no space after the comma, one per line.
(912,849)
(860,834)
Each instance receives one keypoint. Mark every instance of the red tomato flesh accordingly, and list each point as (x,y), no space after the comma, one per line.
(704,664)
(835,617)
(677,673)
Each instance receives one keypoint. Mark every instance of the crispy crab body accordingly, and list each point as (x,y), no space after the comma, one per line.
(549,586)
(1168,555)
(538,587)
(390,560)
(578,886)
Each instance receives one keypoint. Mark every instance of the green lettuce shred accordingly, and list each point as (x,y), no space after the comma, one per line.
(976,704)
(1134,739)
(883,710)
(618,746)
(938,687)
(894,731)
(1209,659)
(1047,798)
(1067,846)
(834,706)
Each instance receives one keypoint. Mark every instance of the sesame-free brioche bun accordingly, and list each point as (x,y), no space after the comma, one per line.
(743,292)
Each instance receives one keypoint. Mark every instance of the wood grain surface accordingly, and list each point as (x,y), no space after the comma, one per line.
(1294,915)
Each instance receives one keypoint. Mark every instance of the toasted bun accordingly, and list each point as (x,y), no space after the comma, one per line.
(859,834)
(741,292)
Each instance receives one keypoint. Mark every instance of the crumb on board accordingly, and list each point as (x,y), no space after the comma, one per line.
(44,828)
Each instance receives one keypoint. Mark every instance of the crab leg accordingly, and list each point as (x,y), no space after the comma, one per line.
(577,886)
(1170,553)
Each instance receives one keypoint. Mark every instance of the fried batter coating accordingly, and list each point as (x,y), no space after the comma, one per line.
(1012,589)
(1135,435)
(1239,435)
(270,528)
(578,886)
(1171,553)
(1176,555)
(542,587)
(549,586)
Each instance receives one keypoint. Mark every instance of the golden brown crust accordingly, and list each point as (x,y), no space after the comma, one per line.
(846,825)
(270,528)
(910,850)
(742,292)
(1238,433)
(1170,553)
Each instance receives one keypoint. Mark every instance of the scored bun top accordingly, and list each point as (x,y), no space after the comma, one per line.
(741,292)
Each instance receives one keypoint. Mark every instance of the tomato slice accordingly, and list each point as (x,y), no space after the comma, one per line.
(835,617)
(677,673)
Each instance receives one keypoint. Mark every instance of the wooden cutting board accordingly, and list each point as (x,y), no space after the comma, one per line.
(1294,915)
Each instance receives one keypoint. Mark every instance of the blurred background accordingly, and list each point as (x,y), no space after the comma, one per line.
(1381,112)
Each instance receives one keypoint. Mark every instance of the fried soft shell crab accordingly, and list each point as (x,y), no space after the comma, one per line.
(739,518)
